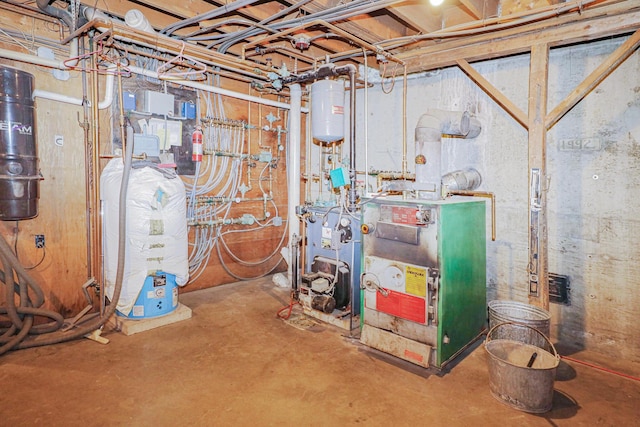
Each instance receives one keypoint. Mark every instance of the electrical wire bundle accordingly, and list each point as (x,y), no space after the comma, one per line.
(215,186)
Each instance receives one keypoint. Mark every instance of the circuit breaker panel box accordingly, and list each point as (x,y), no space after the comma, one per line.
(424,277)
(330,289)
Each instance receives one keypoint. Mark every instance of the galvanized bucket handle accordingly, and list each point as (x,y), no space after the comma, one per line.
(555,353)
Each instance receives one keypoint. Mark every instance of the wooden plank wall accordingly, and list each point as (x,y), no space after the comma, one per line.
(62,203)
(254,245)
(62,211)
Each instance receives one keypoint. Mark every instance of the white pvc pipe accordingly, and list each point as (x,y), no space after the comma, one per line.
(61,65)
(44,62)
(31,59)
(105,103)
(366,126)
(293,169)
(136,19)
(44,94)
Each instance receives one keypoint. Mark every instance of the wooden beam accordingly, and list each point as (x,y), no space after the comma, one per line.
(375,30)
(119,8)
(181,9)
(566,29)
(453,16)
(481,9)
(417,16)
(594,79)
(494,93)
(538,236)
(509,7)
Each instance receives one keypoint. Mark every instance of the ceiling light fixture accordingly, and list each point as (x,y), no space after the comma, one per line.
(436,2)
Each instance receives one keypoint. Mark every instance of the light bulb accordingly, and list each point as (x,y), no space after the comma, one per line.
(436,2)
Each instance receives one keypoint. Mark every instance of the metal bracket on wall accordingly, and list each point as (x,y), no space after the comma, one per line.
(534,227)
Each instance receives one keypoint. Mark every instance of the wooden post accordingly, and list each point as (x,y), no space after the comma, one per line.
(538,263)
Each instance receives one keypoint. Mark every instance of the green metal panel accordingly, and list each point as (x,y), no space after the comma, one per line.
(462,262)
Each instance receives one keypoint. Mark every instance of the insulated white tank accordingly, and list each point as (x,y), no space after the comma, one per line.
(157,236)
(327,110)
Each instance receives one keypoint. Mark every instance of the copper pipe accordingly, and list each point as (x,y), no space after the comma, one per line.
(486,194)
(142,156)
(394,176)
(404,121)
(211,70)
(86,128)
(93,149)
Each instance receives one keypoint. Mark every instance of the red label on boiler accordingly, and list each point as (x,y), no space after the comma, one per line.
(402,305)
(403,215)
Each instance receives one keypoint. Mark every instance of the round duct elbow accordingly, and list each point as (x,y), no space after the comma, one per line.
(445,122)
(466,180)
(474,128)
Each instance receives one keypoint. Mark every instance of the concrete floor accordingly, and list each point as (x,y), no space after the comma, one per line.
(235,363)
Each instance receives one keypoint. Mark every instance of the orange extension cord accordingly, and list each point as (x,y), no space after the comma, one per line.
(289,307)
(571,359)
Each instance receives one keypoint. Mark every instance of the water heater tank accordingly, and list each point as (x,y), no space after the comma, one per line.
(19,174)
(157,243)
(327,110)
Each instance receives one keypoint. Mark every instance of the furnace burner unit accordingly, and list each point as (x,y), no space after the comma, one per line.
(330,288)
(424,277)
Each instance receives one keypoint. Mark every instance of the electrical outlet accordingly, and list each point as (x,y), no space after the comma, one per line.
(39,241)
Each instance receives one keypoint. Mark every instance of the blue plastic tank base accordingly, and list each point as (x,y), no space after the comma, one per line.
(158,296)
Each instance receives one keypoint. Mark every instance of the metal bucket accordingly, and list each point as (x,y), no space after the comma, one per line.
(517,377)
(522,315)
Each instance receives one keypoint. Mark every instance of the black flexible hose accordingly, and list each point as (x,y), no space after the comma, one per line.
(50,333)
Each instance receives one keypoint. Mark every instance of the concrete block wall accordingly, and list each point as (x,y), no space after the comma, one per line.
(593,166)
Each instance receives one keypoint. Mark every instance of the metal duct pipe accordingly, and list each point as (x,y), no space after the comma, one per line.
(465,180)
(474,128)
(428,139)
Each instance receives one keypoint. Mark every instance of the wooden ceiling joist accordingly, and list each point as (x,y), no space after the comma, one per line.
(481,9)
(419,17)
(566,29)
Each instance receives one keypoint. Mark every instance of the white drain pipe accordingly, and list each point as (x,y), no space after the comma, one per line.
(105,103)
(293,174)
